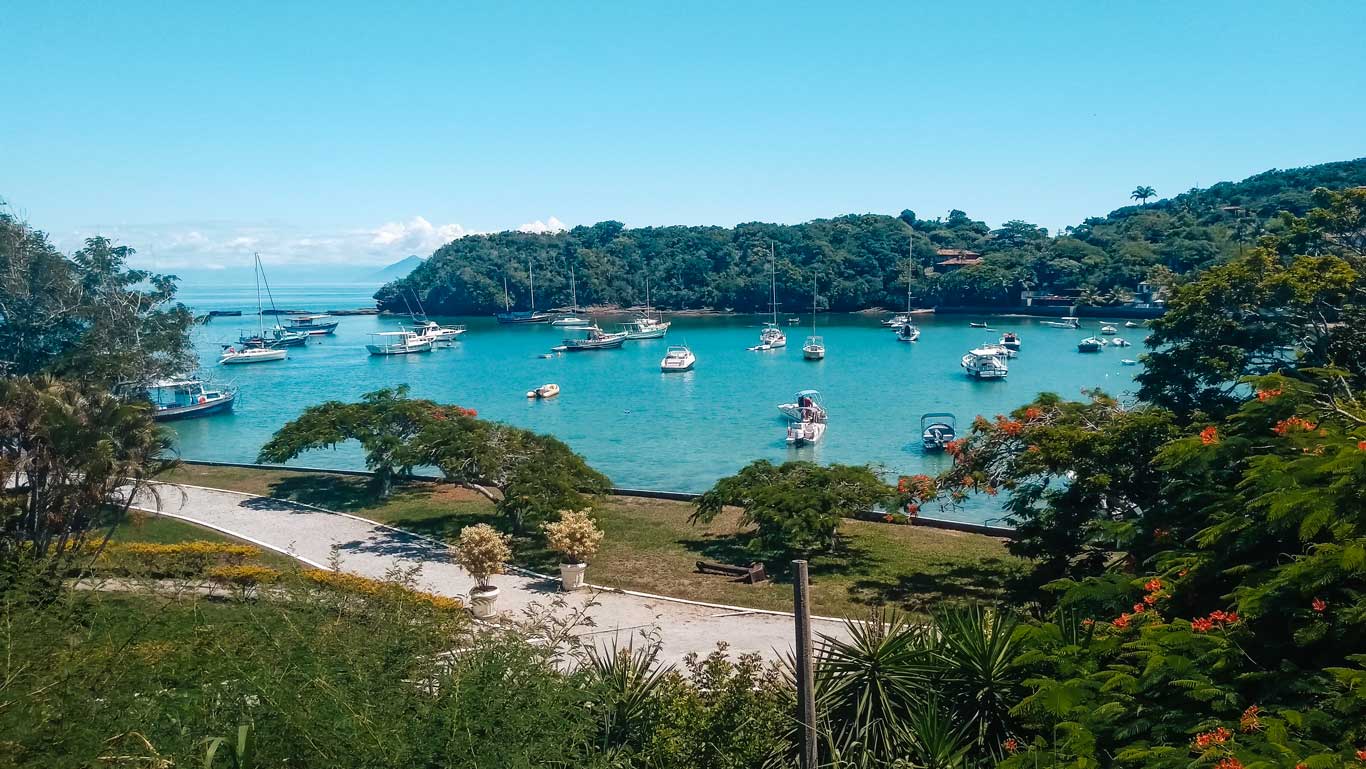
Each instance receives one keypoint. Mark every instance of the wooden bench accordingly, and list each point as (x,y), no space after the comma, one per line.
(751,574)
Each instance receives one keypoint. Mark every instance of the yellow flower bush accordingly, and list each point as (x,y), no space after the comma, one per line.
(574,536)
(244,575)
(178,559)
(354,583)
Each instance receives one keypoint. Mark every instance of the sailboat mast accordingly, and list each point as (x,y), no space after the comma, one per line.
(910,264)
(531,275)
(813,304)
(507,303)
(573,291)
(773,281)
(261,318)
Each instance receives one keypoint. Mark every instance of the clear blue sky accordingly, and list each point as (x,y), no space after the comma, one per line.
(205,130)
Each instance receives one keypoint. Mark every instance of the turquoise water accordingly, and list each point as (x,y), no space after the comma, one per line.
(643,428)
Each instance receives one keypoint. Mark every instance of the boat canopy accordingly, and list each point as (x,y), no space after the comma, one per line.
(170,384)
(925,418)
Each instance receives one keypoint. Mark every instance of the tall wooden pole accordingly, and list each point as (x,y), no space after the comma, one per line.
(806,676)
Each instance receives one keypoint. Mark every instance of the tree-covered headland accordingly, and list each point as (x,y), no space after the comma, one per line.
(860,261)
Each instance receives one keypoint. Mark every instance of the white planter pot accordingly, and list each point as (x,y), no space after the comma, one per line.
(482,601)
(571,576)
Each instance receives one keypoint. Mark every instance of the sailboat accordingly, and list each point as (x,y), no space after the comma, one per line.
(772,337)
(648,325)
(814,348)
(907,331)
(249,354)
(572,319)
(521,316)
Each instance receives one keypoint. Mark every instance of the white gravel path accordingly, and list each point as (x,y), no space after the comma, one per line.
(371,549)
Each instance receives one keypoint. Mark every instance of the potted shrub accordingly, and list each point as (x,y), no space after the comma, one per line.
(576,538)
(482,551)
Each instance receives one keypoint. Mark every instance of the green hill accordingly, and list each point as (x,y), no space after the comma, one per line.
(859,261)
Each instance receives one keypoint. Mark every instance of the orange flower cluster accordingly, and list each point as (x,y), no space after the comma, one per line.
(920,486)
(1266,395)
(1009,426)
(1318,605)
(1215,619)
(1292,424)
(1250,722)
(1229,763)
(1209,436)
(1361,445)
(954,448)
(1010,745)
(1206,740)
(1361,755)
(1033,412)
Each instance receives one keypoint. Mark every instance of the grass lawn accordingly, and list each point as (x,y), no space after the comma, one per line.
(651,547)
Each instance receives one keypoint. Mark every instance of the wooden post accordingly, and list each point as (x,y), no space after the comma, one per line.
(806,676)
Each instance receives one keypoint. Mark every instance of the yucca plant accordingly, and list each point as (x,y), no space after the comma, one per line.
(626,679)
(975,651)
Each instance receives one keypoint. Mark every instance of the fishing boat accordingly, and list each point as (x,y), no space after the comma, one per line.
(908,332)
(1108,330)
(248,354)
(1011,341)
(236,356)
(315,325)
(937,428)
(803,399)
(1067,321)
(646,325)
(398,343)
(985,363)
(571,319)
(814,347)
(188,398)
(1120,341)
(678,358)
(596,339)
(1090,344)
(809,427)
(437,333)
(549,390)
(521,316)
(772,337)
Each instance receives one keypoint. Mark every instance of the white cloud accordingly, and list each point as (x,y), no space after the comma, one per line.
(550,225)
(417,235)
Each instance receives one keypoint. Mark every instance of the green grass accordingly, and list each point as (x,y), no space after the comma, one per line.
(651,547)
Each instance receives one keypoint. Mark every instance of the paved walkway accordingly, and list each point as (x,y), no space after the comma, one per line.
(373,550)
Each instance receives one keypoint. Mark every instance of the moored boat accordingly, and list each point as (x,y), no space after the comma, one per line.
(809,427)
(985,363)
(596,339)
(678,358)
(897,321)
(937,428)
(772,337)
(814,346)
(803,399)
(1067,321)
(315,325)
(1129,362)
(571,319)
(522,316)
(437,333)
(978,325)
(188,398)
(398,343)
(1108,330)
(1120,341)
(1090,344)
(1011,341)
(548,390)
(236,356)
(908,332)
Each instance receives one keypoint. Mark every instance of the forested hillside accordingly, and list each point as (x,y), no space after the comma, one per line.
(859,261)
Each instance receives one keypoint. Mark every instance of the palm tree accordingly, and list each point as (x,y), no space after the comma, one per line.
(1142,193)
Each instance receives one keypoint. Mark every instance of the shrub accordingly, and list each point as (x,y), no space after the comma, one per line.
(364,586)
(574,536)
(247,575)
(482,551)
(182,559)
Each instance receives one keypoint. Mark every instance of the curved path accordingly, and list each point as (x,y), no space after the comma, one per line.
(313,535)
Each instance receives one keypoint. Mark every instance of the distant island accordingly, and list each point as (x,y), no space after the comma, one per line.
(860,261)
(397,270)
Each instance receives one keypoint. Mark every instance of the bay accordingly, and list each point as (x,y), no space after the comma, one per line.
(643,428)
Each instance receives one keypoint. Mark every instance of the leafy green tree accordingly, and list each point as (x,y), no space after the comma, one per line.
(795,507)
(1142,193)
(73,459)
(86,317)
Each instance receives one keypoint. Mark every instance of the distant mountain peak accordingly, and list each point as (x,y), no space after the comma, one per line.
(398,269)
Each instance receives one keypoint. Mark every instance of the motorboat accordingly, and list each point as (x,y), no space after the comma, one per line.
(239,355)
(937,429)
(398,343)
(814,346)
(1067,321)
(188,398)
(314,325)
(978,325)
(985,363)
(437,333)
(908,332)
(678,358)
(897,321)
(809,427)
(596,339)
(1011,341)
(549,390)
(804,399)
(1131,324)
(571,321)
(522,316)
(793,321)
(1120,341)
(1090,344)
(1128,362)
(1000,349)
(1108,330)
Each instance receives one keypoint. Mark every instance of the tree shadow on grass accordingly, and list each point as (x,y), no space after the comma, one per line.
(943,581)
(734,550)
(343,493)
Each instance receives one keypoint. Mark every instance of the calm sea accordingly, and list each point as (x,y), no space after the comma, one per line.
(643,428)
